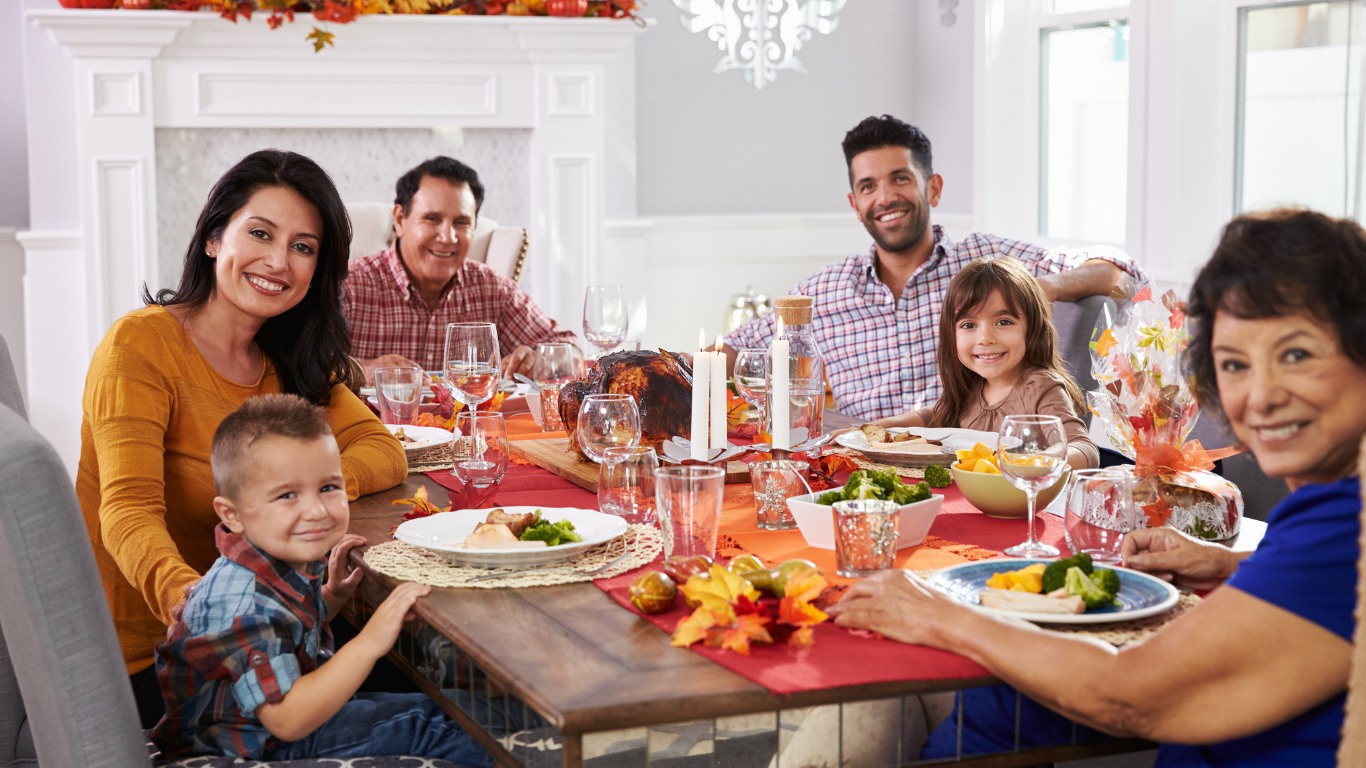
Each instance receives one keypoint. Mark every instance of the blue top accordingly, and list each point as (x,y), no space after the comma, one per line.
(1307,565)
(248,630)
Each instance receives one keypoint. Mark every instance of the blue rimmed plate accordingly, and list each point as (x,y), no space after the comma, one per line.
(1140,595)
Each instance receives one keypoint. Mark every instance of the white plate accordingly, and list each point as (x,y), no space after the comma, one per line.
(955,439)
(897,457)
(1140,595)
(443,533)
(424,437)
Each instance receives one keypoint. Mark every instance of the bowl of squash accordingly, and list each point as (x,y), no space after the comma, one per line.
(986,488)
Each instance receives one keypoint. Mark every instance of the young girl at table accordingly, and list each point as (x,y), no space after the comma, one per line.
(998,356)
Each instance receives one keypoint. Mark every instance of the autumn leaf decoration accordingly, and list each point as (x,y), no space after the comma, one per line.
(421,507)
(730,614)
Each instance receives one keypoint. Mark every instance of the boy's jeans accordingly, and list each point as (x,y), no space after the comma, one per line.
(375,724)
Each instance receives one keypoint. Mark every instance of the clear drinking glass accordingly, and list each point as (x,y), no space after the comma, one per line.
(865,536)
(481,451)
(398,391)
(556,366)
(605,317)
(1100,511)
(1032,454)
(748,376)
(607,420)
(626,483)
(688,500)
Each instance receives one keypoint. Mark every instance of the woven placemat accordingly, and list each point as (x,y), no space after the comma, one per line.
(640,545)
(916,473)
(430,459)
(1122,633)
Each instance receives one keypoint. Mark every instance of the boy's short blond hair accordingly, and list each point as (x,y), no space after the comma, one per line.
(258,418)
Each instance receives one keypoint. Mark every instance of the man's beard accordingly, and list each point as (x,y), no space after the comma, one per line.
(899,242)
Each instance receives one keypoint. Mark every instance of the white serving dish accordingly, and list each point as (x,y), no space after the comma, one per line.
(817,522)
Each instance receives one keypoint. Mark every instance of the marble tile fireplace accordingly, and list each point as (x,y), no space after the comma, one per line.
(133,113)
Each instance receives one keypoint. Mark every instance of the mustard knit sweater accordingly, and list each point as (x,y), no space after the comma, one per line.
(145,484)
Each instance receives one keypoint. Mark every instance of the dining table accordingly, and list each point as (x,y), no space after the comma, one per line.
(572,675)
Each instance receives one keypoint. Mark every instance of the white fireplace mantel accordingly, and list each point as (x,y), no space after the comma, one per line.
(101,82)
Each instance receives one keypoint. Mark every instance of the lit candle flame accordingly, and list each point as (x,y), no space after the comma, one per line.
(701,339)
(717,348)
(778,328)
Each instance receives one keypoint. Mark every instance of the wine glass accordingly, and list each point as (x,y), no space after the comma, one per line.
(556,366)
(1032,454)
(481,451)
(606,420)
(605,319)
(748,376)
(472,362)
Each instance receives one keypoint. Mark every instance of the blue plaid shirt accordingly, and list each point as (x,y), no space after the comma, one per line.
(246,631)
(880,354)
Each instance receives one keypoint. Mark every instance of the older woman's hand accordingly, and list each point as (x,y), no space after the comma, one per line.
(1176,557)
(897,604)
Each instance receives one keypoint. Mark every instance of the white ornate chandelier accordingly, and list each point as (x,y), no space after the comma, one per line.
(760,37)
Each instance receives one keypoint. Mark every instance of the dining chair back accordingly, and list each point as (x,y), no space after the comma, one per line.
(1352,747)
(62,653)
(10,395)
(1076,323)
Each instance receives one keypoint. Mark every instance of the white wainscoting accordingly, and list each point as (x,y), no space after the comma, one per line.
(693,265)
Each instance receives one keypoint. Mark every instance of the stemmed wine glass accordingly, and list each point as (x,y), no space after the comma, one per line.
(607,420)
(472,362)
(748,376)
(605,319)
(1032,453)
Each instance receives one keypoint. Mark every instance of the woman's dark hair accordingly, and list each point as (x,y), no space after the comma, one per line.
(308,344)
(887,131)
(968,289)
(1273,264)
(439,167)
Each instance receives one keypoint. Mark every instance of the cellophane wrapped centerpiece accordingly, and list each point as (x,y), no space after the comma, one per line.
(1147,408)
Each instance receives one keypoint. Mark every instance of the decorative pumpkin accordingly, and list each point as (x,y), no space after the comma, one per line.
(566,7)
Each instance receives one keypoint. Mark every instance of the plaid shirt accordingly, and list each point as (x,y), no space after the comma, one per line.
(880,355)
(245,633)
(387,315)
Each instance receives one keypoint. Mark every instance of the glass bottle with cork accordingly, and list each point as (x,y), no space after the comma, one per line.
(794,376)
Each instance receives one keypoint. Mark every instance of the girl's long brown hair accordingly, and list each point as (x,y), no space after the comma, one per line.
(973,285)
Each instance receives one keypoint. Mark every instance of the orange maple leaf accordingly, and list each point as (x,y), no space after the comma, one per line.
(737,411)
(803,637)
(320,39)
(1157,513)
(800,613)
(496,404)
(737,636)
(421,507)
(806,584)
(717,590)
(694,627)
(1105,343)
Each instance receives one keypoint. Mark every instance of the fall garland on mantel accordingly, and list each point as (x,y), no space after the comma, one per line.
(346,11)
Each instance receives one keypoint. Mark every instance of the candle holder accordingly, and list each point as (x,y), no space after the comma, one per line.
(678,450)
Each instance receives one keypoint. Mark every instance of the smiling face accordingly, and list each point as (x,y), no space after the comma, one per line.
(291,503)
(434,234)
(1291,395)
(991,341)
(892,197)
(265,258)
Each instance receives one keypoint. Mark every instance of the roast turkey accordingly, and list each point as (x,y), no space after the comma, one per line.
(661,383)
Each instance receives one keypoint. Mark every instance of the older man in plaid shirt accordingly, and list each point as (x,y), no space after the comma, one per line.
(877,313)
(398,302)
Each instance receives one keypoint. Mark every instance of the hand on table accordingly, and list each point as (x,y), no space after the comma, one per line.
(1176,557)
(897,604)
(381,630)
(342,576)
(522,360)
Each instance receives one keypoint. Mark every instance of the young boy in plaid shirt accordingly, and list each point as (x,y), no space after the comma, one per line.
(248,668)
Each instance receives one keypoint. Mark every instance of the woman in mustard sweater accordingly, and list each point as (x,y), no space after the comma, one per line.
(257,312)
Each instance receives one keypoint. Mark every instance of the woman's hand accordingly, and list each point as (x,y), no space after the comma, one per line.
(342,576)
(1176,557)
(898,605)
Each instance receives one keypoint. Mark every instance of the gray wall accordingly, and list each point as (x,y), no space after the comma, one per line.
(13,134)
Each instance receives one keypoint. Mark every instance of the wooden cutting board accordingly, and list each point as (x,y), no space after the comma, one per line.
(553,454)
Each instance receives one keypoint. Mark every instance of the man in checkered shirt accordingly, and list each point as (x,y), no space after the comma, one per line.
(398,302)
(877,313)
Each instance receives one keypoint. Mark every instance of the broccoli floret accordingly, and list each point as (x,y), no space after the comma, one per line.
(938,477)
(553,534)
(876,484)
(910,494)
(1055,575)
(1106,579)
(1082,586)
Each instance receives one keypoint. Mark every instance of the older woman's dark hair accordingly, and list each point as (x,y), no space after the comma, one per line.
(309,343)
(1274,264)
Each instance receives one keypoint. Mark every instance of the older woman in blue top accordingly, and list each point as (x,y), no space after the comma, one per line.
(1257,673)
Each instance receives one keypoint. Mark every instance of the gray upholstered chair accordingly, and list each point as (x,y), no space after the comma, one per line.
(1076,321)
(10,395)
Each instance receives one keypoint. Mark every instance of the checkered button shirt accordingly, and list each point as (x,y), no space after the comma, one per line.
(245,634)
(880,354)
(387,316)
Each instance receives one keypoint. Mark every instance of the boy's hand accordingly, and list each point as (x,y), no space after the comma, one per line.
(381,631)
(342,576)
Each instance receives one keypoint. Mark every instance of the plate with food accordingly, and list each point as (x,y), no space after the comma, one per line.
(419,438)
(897,446)
(1094,601)
(511,536)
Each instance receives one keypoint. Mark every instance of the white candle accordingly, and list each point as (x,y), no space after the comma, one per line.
(779,397)
(701,378)
(718,396)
